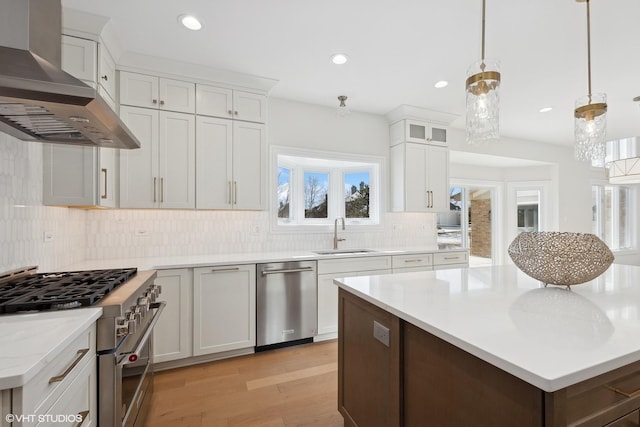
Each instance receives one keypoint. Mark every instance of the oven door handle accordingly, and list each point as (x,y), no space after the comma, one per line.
(135,354)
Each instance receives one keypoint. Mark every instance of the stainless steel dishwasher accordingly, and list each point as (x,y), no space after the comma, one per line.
(286,303)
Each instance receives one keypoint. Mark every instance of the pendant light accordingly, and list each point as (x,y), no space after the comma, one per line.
(590,114)
(483,98)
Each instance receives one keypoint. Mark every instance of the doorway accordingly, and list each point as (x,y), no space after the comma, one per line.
(470,222)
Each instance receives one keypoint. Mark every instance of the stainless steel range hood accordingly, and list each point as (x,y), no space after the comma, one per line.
(39,101)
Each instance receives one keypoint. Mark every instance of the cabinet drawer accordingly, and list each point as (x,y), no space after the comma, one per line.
(346,265)
(42,390)
(412,261)
(612,399)
(75,403)
(450,258)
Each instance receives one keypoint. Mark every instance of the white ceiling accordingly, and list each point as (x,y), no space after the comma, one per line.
(399,49)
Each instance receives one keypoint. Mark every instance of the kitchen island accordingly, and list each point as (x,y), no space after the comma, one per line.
(489,346)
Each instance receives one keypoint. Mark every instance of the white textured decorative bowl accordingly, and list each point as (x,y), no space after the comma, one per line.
(560,258)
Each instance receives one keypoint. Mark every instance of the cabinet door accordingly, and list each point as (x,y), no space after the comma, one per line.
(328,301)
(176,95)
(139,90)
(107,71)
(107,178)
(214,101)
(438,134)
(172,335)
(415,178)
(416,131)
(176,152)
(251,107)
(69,175)
(249,154)
(213,163)
(438,178)
(138,168)
(224,309)
(79,58)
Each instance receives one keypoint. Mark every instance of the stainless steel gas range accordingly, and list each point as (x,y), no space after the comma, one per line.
(128,299)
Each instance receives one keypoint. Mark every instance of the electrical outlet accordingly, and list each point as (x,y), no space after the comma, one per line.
(47,236)
(381,333)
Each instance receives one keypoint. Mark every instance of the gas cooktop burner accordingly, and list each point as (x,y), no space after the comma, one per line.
(58,291)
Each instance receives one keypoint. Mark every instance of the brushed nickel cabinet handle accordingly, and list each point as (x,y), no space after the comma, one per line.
(229,193)
(218,270)
(230,112)
(161,102)
(235,112)
(104,195)
(83,416)
(413,260)
(105,78)
(161,190)
(154,101)
(63,375)
(235,192)
(155,184)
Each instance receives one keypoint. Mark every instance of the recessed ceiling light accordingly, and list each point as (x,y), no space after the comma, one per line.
(190,21)
(339,58)
(545,109)
(441,84)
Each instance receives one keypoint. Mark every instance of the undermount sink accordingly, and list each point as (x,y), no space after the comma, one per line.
(344,252)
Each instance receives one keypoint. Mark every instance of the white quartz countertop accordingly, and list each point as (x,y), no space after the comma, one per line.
(549,337)
(31,341)
(187,261)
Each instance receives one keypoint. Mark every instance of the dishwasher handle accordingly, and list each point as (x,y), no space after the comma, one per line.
(286,270)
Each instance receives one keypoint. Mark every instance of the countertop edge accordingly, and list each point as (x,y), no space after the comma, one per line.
(25,374)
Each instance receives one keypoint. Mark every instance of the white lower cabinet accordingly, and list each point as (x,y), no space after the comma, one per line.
(412,262)
(66,387)
(452,259)
(224,308)
(172,335)
(328,292)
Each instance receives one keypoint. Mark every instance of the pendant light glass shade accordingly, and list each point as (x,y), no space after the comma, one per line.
(590,114)
(591,127)
(483,102)
(483,98)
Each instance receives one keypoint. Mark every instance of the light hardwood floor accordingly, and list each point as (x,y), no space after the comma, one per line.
(294,386)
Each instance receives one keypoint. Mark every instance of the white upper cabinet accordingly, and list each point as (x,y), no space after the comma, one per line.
(160,174)
(419,178)
(409,130)
(80,59)
(147,91)
(231,104)
(107,71)
(230,167)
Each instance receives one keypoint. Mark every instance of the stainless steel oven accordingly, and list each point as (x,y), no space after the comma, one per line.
(125,372)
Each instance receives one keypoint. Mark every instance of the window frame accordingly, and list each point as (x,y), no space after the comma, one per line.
(600,186)
(374,165)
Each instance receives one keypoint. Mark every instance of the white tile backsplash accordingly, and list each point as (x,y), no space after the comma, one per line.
(109,234)
(23,219)
(141,233)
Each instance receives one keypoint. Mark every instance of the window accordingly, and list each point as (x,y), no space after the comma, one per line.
(611,215)
(313,189)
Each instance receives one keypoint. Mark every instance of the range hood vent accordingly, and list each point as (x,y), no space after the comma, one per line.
(39,101)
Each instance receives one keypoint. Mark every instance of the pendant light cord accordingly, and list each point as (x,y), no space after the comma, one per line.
(483,11)
(589,49)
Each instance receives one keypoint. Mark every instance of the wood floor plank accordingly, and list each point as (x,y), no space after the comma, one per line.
(295,386)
